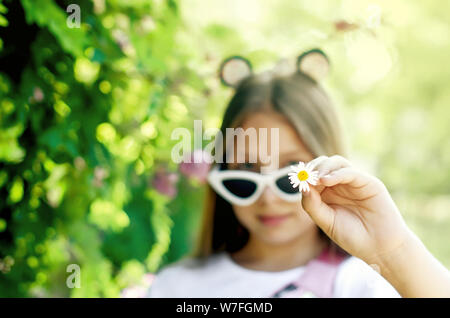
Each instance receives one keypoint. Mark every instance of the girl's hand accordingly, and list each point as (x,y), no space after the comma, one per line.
(355,210)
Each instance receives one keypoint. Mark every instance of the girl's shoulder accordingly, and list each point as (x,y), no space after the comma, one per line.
(355,278)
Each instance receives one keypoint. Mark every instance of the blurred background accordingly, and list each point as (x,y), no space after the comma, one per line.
(86,114)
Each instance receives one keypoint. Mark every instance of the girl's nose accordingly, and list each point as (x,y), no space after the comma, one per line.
(268,196)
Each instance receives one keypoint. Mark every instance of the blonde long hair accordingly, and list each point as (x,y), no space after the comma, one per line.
(305,104)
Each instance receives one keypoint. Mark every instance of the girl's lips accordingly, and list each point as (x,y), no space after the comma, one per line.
(273,219)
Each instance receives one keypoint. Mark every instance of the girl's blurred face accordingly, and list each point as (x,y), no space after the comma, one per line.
(272,219)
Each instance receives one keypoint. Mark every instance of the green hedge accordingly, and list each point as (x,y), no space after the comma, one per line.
(85,119)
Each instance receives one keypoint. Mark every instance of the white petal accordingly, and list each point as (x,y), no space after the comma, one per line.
(313,177)
(303,185)
(295,168)
(301,188)
(306,187)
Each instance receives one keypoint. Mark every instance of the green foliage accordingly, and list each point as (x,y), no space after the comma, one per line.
(81,133)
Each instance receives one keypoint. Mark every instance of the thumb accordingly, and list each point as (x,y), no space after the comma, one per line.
(318,210)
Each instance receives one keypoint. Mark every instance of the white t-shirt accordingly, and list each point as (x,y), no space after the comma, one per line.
(221,277)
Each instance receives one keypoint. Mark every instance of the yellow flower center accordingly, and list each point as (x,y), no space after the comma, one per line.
(302,175)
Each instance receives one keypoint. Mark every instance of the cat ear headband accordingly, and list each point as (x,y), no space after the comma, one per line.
(313,63)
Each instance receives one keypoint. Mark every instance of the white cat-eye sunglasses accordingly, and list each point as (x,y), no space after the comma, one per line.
(243,188)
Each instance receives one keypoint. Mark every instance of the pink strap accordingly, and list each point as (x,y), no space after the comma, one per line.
(318,278)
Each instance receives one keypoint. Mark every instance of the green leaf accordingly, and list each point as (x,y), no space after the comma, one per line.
(47,14)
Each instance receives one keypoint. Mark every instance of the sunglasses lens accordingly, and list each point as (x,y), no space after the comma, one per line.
(285,185)
(240,188)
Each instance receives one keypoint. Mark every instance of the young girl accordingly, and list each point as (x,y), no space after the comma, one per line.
(261,237)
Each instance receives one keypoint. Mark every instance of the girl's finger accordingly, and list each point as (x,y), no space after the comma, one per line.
(319,211)
(347,175)
(333,163)
(315,162)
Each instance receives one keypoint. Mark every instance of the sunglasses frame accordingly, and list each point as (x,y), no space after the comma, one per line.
(217,176)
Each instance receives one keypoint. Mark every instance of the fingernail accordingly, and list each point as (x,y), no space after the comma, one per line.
(323,173)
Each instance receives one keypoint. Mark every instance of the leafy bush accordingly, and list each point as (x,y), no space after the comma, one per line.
(85,118)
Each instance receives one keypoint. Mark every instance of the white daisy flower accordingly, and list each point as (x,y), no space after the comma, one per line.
(302,175)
